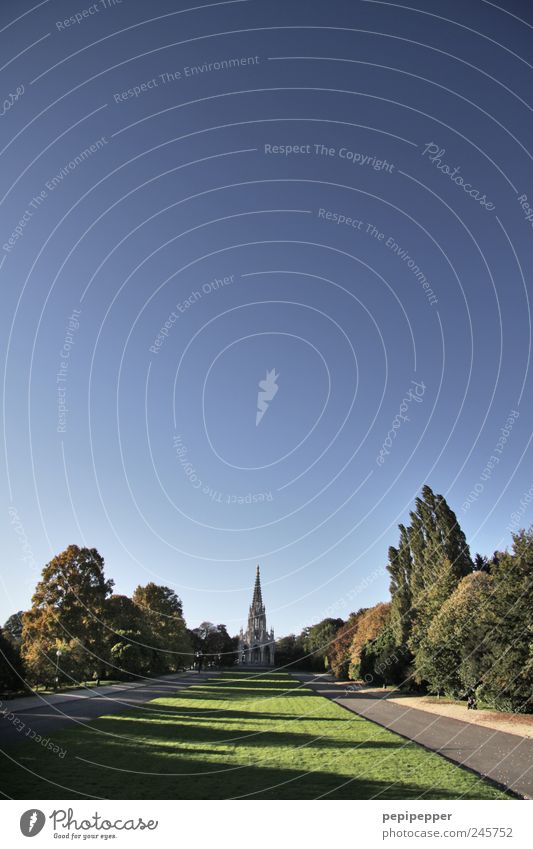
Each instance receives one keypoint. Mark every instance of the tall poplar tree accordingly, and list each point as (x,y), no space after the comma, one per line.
(400,567)
(431,559)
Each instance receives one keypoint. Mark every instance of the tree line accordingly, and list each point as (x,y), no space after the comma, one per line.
(77,630)
(454,625)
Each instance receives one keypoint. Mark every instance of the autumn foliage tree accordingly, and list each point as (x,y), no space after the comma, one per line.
(339,649)
(67,615)
(369,625)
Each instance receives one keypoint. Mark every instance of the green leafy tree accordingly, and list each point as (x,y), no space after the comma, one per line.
(318,640)
(13,628)
(130,655)
(163,612)
(452,656)
(400,567)
(216,645)
(507,681)
(383,660)
(431,559)
(219,647)
(12,673)
(289,651)
(129,639)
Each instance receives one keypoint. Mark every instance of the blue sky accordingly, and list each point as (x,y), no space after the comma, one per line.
(289,207)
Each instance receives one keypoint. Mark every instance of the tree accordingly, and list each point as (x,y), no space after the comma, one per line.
(400,567)
(452,656)
(452,539)
(13,628)
(12,677)
(369,625)
(481,563)
(318,639)
(219,647)
(431,559)
(289,651)
(128,636)
(339,651)
(507,681)
(383,660)
(121,613)
(214,642)
(130,655)
(68,605)
(163,613)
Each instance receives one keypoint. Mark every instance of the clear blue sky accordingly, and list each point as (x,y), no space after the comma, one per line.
(195,171)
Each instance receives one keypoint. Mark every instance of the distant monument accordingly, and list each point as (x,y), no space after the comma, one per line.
(256,644)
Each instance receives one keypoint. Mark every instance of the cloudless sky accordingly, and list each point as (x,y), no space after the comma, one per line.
(188,253)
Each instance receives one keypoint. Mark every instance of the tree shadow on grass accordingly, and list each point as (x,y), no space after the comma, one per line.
(223,714)
(171,731)
(187,777)
(243,692)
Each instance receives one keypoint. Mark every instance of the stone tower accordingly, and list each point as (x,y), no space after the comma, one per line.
(256,644)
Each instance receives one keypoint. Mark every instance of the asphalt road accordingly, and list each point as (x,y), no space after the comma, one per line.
(49,718)
(505,758)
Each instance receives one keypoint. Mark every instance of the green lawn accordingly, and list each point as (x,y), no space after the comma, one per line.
(261,735)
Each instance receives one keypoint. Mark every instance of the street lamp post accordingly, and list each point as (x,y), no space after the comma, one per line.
(58,655)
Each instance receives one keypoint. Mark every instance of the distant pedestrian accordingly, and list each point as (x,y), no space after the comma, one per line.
(200,658)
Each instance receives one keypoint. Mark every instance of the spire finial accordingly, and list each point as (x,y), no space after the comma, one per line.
(257,599)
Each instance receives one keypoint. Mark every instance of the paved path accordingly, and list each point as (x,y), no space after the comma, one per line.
(47,714)
(505,758)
